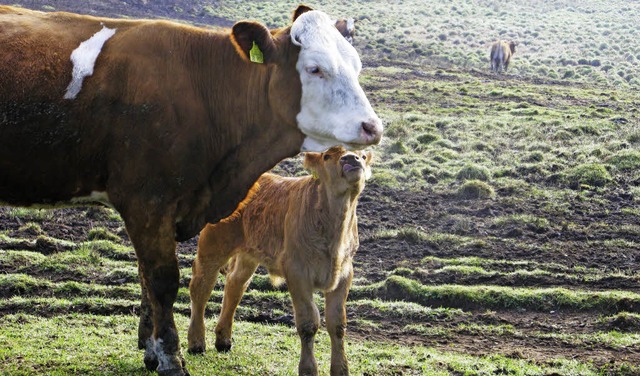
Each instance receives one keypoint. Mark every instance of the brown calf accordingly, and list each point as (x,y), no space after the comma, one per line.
(301,229)
(501,52)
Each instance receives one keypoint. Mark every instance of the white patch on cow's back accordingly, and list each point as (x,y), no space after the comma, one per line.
(84,58)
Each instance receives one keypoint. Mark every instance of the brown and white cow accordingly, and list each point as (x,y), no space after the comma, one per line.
(302,229)
(347,27)
(501,53)
(169,124)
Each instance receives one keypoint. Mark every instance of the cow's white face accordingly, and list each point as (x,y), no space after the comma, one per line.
(334,109)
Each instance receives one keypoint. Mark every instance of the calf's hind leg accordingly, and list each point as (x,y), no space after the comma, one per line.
(236,284)
(215,246)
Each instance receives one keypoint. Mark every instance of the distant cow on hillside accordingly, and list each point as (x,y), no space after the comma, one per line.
(347,27)
(501,52)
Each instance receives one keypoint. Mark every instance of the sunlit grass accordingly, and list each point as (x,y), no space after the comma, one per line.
(100,345)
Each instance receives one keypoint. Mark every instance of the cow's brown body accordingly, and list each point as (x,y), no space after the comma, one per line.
(167,129)
(501,53)
(347,27)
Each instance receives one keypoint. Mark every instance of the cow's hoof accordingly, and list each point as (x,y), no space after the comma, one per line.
(150,361)
(223,346)
(197,350)
(174,372)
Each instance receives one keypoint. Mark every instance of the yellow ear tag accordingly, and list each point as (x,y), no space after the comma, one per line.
(315,175)
(255,55)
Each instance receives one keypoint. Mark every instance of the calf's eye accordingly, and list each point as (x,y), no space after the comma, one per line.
(326,157)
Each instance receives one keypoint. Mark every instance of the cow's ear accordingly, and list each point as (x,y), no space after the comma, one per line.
(312,161)
(253,41)
(299,10)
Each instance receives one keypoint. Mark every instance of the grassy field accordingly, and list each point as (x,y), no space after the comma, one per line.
(500,233)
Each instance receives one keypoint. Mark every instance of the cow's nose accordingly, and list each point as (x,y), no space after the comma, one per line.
(372,131)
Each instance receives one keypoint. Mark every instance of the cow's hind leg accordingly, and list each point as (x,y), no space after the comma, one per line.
(153,239)
(236,284)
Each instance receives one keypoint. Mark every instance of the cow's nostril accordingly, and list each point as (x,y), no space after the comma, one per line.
(369,128)
(371,131)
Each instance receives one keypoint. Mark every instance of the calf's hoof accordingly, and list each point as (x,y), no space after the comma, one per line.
(223,346)
(197,349)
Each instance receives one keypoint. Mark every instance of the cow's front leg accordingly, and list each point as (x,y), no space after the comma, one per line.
(145,327)
(336,318)
(307,322)
(153,239)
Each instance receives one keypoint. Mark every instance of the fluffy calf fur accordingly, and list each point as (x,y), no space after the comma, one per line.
(303,230)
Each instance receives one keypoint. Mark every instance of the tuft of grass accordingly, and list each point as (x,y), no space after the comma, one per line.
(588,174)
(21,284)
(474,190)
(532,222)
(623,321)
(625,160)
(409,234)
(28,214)
(398,147)
(427,138)
(473,172)
(101,233)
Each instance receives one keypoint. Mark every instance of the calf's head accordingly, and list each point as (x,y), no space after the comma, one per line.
(341,170)
(315,77)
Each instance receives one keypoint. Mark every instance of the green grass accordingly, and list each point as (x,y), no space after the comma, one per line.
(499,297)
(560,128)
(84,344)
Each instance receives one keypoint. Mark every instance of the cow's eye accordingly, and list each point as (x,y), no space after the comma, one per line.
(326,157)
(315,70)
(364,156)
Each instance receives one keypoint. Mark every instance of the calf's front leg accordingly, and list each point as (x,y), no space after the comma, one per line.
(336,318)
(307,322)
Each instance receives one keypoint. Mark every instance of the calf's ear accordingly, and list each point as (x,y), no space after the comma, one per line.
(299,10)
(253,42)
(367,170)
(312,161)
(369,156)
